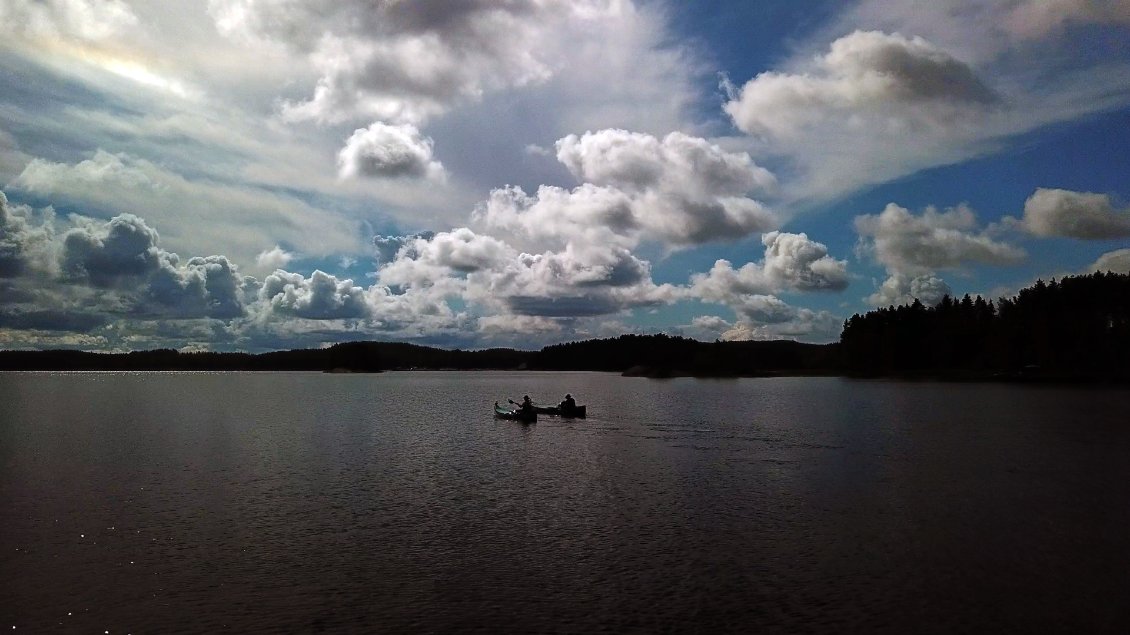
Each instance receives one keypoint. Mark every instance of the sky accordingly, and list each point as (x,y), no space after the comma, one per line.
(273,174)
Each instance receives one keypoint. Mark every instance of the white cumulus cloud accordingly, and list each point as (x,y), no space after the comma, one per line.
(903,289)
(388,151)
(1053,212)
(679,191)
(792,262)
(890,81)
(273,258)
(922,244)
(319,297)
(1117,261)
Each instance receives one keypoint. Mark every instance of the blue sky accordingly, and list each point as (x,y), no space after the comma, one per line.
(239,175)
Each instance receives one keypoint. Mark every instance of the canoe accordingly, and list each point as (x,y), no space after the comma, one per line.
(515,415)
(577,412)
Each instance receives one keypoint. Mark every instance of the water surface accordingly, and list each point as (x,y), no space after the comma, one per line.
(303,502)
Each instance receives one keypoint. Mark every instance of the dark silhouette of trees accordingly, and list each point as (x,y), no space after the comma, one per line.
(664,355)
(1077,327)
(657,355)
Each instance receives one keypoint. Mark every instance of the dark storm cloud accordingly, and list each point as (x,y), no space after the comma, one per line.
(123,253)
(574,306)
(626,271)
(104,255)
(51,320)
(116,266)
(203,287)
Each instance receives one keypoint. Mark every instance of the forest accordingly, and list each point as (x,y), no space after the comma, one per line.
(1074,328)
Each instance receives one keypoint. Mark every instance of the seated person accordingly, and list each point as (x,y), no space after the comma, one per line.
(569,403)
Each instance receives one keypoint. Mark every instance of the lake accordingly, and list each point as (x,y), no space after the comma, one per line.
(306,502)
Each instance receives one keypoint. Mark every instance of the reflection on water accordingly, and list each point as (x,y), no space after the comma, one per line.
(156,502)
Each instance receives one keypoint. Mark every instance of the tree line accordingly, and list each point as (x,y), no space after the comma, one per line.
(653,355)
(1077,327)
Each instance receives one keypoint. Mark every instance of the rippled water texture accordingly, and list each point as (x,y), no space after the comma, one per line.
(163,502)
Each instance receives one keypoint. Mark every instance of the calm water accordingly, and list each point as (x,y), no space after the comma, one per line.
(165,502)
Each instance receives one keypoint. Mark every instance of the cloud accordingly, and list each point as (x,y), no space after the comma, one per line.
(560,274)
(488,272)
(508,325)
(635,162)
(103,271)
(707,327)
(106,254)
(984,29)
(913,86)
(405,62)
(388,246)
(792,263)
(1052,212)
(123,254)
(115,275)
(197,215)
(764,309)
(903,289)
(684,189)
(207,286)
(679,191)
(48,320)
(274,258)
(586,215)
(918,245)
(319,297)
(387,151)
(562,306)
(442,259)
(592,273)
(802,325)
(872,107)
(1030,19)
(24,244)
(889,79)
(82,19)
(1117,261)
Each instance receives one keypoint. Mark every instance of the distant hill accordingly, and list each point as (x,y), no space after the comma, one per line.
(653,355)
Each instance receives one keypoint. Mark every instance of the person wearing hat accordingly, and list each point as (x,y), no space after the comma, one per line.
(526,406)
